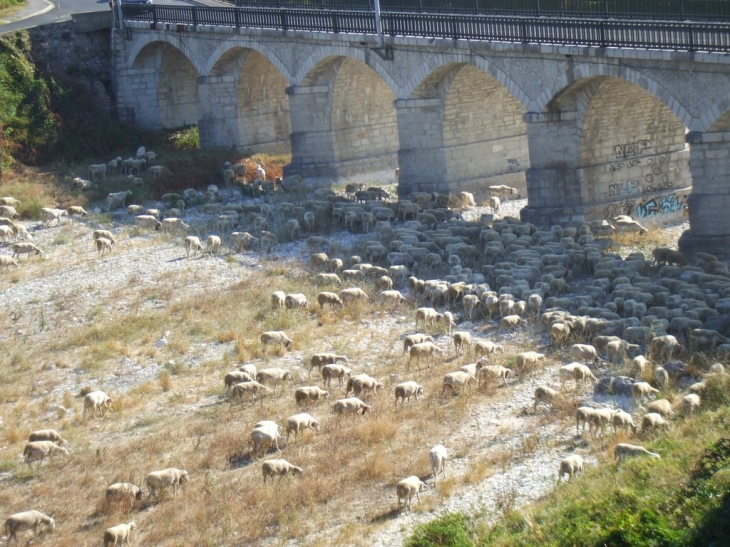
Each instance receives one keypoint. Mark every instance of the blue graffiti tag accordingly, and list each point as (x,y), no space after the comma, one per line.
(659,205)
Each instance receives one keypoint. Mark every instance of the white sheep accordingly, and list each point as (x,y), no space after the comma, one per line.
(296,301)
(482,347)
(492,372)
(583,352)
(97,168)
(447,318)
(662,377)
(335,371)
(104,245)
(599,419)
(494,203)
(192,244)
(510,322)
(362,383)
(97,400)
(236,377)
(27,520)
(427,316)
(582,415)
(47,435)
(8,211)
(321,359)
(456,380)
(6,232)
(10,201)
(123,492)
(528,360)
(273,375)
(501,190)
(690,402)
(76,210)
(117,199)
(352,405)
(330,298)
(159,480)
(275,338)
(278,299)
(653,421)
(6,261)
(253,388)
(212,244)
(263,437)
(392,297)
(299,422)
(641,364)
(625,450)
(461,339)
(544,394)
(413,339)
(268,240)
(174,223)
(39,450)
(622,420)
(642,389)
(423,349)
(49,214)
(404,391)
(147,221)
(120,533)
(628,225)
(103,233)
(24,248)
(272,468)
(572,466)
(437,456)
(241,241)
(354,294)
(406,489)
(661,406)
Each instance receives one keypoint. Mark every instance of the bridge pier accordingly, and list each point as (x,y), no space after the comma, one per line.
(421,155)
(554,177)
(218,124)
(709,203)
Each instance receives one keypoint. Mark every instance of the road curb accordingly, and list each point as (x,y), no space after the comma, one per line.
(48,8)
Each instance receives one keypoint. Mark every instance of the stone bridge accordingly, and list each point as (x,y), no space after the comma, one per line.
(584,132)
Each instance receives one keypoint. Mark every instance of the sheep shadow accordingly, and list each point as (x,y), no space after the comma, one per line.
(385,517)
(177,259)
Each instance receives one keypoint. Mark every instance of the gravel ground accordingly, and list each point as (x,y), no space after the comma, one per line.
(71,283)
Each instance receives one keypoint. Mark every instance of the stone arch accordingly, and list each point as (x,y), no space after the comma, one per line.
(344,121)
(256,100)
(434,63)
(175,102)
(227,46)
(717,117)
(483,134)
(584,71)
(325,54)
(632,151)
(144,40)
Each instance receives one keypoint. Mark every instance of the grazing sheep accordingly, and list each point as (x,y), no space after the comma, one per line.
(493,372)
(690,403)
(236,377)
(105,234)
(323,279)
(147,221)
(642,389)
(622,420)
(39,450)
(405,391)
(486,348)
(117,199)
(47,435)
(268,241)
(461,339)
(447,318)
(49,214)
(193,244)
(545,395)
(329,298)
(660,406)
(159,480)
(600,418)
(174,223)
(240,241)
(271,468)
(335,371)
(120,533)
(528,360)
(97,400)
(494,203)
(8,211)
(662,377)
(103,245)
(123,492)
(10,201)
(413,339)
(75,210)
(24,248)
(27,520)
(253,388)
(273,375)
(353,405)
(392,298)
(275,338)
(571,466)
(7,261)
(662,347)
(437,456)
(278,299)
(501,190)
(362,383)
(296,301)
(456,380)
(625,450)
(582,415)
(352,295)
(406,489)
(427,316)
(510,322)
(653,421)
(583,352)
(641,365)
(320,359)
(299,422)
(424,349)
(662,255)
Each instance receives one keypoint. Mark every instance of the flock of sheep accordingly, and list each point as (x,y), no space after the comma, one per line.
(494,271)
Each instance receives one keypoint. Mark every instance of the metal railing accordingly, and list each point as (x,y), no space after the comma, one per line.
(686,36)
(675,10)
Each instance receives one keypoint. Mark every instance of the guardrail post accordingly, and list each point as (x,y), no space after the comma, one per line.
(690,41)
(335,28)
(476,7)
(537,8)
(605,9)
(195,15)
(284,24)
(681,8)
(237,17)
(603,33)
(154,15)
(524,32)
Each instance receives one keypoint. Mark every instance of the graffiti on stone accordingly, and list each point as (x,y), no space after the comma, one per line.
(662,186)
(624,207)
(623,165)
(623,188)
(659,205)
(513,165)
(634,148)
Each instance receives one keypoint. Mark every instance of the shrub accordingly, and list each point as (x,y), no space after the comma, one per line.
(447,531)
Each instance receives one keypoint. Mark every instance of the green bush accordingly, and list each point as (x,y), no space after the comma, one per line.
(447,531)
